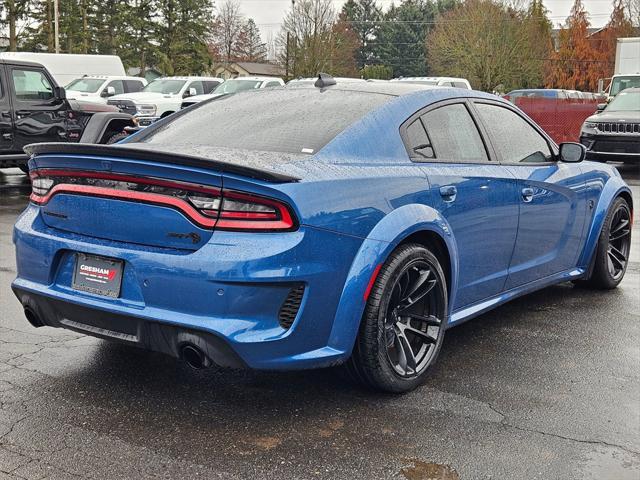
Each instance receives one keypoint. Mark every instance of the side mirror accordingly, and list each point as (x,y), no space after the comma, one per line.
(601,107)
(109,92)
(571,152)
(60,93)
(190,93)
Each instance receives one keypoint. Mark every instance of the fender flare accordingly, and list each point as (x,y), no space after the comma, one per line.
(612,189)
(392,230)
(100,122)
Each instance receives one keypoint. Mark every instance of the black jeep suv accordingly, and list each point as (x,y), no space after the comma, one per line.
(33,108)
(614,132)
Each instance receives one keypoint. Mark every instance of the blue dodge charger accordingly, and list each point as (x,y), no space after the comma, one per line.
(308,227)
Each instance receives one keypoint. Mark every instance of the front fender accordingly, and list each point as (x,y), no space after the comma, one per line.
(614,186)
(376,248)
(99,122)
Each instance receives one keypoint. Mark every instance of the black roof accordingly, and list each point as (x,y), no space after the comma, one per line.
(19,63)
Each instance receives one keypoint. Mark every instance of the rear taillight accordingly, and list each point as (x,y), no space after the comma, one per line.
(208,207)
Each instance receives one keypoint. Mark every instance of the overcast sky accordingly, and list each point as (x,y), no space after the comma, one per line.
(268,14)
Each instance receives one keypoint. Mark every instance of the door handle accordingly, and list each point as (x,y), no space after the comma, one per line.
(5,114)
(527,194)
(7,136)
(448,193)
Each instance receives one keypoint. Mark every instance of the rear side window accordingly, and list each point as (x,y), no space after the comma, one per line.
(293,121)
(514,139)
(133,86)
(451,136)
(209,85)
(31,85)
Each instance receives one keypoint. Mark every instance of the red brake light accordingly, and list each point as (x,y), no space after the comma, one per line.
(208,207)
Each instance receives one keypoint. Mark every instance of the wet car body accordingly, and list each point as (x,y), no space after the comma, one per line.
(344,186)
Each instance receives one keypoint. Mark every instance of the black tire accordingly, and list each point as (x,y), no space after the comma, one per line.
(612,251)
(391,322)
(116,137)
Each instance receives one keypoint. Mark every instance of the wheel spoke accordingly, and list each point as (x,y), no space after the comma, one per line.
(402,357)
(619,226)
(423,335)
(618,234)
(429,320)
(408,352)
(621,256)
(417,291)
(613,257)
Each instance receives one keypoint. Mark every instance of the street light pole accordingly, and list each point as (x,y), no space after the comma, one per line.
(55,26)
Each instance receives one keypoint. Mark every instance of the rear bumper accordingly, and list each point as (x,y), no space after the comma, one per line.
(229,292)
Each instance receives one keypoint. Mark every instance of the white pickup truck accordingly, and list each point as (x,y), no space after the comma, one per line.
(99,88)
(162,97)
(235,85)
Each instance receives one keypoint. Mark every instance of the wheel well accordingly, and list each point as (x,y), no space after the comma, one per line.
(437,246)
(629,199)
(115,126)
(166,114)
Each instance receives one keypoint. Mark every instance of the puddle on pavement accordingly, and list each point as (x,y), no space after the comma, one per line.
(419,470)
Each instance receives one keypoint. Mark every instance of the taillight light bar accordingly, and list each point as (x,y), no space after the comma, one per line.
(207,207)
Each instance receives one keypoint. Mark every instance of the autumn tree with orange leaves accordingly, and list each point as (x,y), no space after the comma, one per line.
(580,60)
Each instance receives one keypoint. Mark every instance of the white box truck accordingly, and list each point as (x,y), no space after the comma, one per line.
(67,67)
(627,67)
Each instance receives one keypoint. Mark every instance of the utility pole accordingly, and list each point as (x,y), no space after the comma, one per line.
(286,68)
(55,26)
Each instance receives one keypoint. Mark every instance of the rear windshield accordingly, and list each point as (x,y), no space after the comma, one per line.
(290,121)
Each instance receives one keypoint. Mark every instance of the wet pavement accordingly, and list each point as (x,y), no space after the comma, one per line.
(544,387)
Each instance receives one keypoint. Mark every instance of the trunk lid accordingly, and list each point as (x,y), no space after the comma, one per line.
(159,199)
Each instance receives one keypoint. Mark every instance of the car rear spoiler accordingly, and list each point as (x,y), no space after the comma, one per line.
(119,151)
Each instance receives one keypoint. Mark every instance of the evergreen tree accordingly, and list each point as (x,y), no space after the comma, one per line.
(364,16)
(401,39)
(251,47)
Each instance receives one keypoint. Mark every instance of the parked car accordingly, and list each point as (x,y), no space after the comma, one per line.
(233,86)
(298,228)
(66,67)
(436,81)
(99,88)
(162,97)
(33,108)
(555,93)
(306,81)
(614,132)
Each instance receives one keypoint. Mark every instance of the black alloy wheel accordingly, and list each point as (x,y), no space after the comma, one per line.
(411,328)
(402,328)
(619,242)
(613,248)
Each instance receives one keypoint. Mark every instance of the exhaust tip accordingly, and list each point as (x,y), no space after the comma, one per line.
(194,357)
(32,317)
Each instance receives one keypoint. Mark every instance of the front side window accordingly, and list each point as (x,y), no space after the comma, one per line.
(451,134)
(197,85)
(31,85)
(167,87)
(117,86)
(514,139)
(86,85)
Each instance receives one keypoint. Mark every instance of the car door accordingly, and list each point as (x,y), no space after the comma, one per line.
(6,117)
(39,115)
(118,86)
(475,194)
(552,204)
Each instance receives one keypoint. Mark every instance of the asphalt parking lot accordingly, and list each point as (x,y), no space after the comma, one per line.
(545,387)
